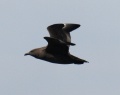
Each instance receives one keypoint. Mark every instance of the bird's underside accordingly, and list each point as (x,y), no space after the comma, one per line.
(57,50)
(61,59)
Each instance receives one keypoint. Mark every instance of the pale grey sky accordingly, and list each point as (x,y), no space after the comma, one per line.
(22,28)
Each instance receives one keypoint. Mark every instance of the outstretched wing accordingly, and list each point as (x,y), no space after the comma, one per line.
(62,31)
(56,46)
(70,27)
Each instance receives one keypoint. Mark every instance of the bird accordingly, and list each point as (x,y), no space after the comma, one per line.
(59,42)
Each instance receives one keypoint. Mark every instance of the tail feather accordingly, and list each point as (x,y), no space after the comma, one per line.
(77,60)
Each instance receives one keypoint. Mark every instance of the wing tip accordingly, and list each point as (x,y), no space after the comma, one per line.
(68,27)
(58,26)
(78,25)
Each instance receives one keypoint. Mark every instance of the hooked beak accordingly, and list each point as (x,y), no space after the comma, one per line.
(26,54)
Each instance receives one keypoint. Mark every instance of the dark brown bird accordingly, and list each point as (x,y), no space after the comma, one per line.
(57,50)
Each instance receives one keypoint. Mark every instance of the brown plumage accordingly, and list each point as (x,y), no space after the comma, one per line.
(57,50)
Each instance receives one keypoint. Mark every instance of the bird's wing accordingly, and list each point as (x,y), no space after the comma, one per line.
(67,29)
(56,31)
(70,27)
(56,46)
(62,31)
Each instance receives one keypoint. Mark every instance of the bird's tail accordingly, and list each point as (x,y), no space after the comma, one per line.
(77,60)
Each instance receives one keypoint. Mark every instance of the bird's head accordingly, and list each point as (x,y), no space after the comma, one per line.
(37,53)
(30,53)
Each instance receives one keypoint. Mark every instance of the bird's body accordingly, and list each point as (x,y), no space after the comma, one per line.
(41,53)
(57,50)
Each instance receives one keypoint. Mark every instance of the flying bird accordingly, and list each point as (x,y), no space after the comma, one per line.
(57,50)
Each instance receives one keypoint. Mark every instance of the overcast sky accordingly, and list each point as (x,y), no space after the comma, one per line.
(23,25)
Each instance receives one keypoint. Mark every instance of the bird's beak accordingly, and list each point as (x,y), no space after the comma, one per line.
(26,54)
